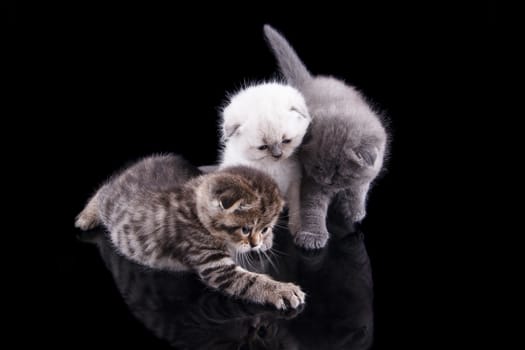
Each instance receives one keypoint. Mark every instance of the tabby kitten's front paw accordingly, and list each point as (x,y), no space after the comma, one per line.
(286,296)
(311,240)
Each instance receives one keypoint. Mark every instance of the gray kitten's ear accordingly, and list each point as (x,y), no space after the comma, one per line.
(289,63)
(364,156)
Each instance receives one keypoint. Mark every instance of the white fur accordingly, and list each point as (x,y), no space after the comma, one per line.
(263,113)
(267,114)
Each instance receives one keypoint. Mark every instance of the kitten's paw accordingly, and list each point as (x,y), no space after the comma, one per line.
(287,296)
(311,240)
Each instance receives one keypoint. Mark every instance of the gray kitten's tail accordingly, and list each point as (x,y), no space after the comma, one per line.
(290,64)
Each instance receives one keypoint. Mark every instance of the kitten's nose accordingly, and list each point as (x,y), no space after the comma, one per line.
(254,241)
(276,151)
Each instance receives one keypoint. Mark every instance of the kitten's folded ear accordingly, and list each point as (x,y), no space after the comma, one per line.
(364,155)
(229,199)
(303,112)
(230,130)
(230,194)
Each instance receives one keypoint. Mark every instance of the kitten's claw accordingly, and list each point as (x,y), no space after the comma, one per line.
(286,296)
(311,240)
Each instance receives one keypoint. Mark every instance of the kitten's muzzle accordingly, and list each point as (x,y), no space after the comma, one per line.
(276,151)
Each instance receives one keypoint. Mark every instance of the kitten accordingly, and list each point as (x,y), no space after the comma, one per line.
(161,214)
(345,147)
(262,126)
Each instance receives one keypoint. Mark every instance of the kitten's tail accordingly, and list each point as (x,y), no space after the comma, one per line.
(89,217)
(290,64)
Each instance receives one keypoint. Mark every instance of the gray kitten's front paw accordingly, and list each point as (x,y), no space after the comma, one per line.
(311,240)
(287,295)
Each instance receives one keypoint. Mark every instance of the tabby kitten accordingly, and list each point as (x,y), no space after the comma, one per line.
(161,214)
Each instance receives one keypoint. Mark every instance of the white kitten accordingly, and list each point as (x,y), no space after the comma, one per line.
(262,126)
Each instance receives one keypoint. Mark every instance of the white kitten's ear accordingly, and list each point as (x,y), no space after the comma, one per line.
(230,130)
(302,112)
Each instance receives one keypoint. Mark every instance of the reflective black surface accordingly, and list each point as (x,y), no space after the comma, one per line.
(115,82)
(179,310)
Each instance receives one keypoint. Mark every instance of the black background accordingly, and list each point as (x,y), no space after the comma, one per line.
(115,83)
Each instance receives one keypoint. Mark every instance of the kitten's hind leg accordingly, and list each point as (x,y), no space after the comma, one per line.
(342,208)
(349,205)
(89,217)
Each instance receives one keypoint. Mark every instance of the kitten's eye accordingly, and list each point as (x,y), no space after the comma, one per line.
(246,230)
(287,140)
(264,230)
(263,147)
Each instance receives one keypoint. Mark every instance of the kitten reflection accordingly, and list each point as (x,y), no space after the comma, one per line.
(338,283)
(181,310)
(178,308)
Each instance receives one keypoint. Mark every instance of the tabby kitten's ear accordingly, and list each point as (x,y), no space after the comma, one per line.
(230,194)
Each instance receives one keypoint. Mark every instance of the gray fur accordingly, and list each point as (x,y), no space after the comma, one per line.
(160,213)
(343,150)
(296,72)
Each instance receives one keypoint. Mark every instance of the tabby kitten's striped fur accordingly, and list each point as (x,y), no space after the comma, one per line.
(160,213)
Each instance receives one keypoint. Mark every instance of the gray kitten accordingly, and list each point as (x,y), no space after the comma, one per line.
(343,151)
(160,213)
